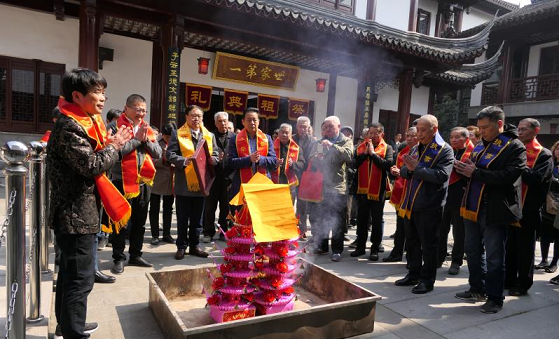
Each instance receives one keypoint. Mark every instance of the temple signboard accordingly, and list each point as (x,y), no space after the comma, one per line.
(245,70)
(172,86)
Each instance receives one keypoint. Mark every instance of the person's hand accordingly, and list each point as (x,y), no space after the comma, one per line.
(395,171)
(214,161)
(142,133)
(187,161)
(465,168)
(326,143)
(120,138)
(289,162)
(371,148)
(280,162)
(221,155)
(255,157)
(411,162)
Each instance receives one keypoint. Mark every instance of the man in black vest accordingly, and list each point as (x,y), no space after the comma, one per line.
(491,203)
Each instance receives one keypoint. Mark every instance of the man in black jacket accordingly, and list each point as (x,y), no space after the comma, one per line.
(521,242)
(373,159)
(427,168)
(491,203)
(220,186)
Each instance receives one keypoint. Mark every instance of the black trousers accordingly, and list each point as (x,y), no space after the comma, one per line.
(302,212)
(325,217)
(75,281)
(136,225)
(399,238)
(154,208)
(520,249)
(189,219)
(451,216)
(422,233)
(369,209)
(218,195)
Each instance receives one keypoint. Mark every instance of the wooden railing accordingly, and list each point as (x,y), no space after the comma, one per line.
(489,92)
(544,87)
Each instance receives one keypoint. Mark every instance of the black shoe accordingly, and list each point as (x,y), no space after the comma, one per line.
(373,256)
(392,235)
(168,239)
(102,278)
(542,265)
(198,252)
(154,241)
(454,269)
(471,296)
(318,251)
(381,249)
(139,261)
(357,253)
(353,244)
(422,288)
(180,254)
(88,329)
(491,307)
(551,269)
(517,291)
(102,244)
(554,280)
(392,258)
(406,281)
(118,267)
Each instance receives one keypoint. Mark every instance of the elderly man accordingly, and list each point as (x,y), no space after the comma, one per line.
(220,186)
(327,216)
(491,203)
(133,176)
(230,128)
(474,134)
(189,198)
(76,165)
(250,151)
(462,147)
(426,168)
(521,241)
(373,159)
(291,162)
(307,145)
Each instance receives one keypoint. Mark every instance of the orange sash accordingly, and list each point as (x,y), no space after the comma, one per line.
(369,178)
(399,183)
(533,150)
(293,154)
(117,208)
(130,175)
(243,150)
(46,136)
(454,176)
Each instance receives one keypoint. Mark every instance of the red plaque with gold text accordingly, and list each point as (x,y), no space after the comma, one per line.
(203,167)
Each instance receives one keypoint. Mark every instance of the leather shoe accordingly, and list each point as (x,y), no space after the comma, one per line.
(373,256)
(357,253)
(139,261)
(180,254)
(406,281)
(118,267)
(168,239)
(422,288)
(517,291)
(392,258)
(198,252)
(102,278)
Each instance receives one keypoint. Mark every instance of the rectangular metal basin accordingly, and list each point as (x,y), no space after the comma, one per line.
(327,307)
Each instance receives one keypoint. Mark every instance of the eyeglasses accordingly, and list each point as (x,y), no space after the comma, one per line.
(138,110)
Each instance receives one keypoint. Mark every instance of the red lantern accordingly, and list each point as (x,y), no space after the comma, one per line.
(320,85)
(203,65)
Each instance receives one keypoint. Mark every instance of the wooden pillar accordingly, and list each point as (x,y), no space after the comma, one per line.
(502,94)
(404,100)
(90,30)
(331,105)
(371,10)
(157,87)
(431,103)
(365,100)
(412,23)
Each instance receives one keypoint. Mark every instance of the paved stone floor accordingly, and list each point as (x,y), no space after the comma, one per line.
(122,309)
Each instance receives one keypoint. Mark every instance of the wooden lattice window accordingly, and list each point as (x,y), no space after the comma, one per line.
(423,21)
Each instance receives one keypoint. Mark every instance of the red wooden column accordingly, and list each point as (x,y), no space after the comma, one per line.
(502,94)
(371,10)
(90,30)
(404,100)
(412,22)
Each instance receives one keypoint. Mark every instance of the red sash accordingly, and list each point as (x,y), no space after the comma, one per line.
(117,208)
(293,154)
(533,150)
(369,178)
(454,176)
(131,177)
(400,183)
(243,150)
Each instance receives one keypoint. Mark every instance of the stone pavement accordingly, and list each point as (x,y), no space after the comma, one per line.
(121,309)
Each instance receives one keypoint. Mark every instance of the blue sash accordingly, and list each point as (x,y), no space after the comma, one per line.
(482,156)
(427,159)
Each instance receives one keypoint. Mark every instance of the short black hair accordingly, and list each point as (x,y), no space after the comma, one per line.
(113,114)
(190,108)
(378,126)
(134,98)
(493,113)
(56,114)
(250,110)
(167,129)
(82,80)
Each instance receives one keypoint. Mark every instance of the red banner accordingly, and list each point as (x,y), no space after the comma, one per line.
(268,106)
(199,95)
(298,108)
(234,102)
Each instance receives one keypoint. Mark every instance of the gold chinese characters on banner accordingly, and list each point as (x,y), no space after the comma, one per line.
(268,105)
(234,102)
(172,85)
(254,71)
(199,95)
(298,108)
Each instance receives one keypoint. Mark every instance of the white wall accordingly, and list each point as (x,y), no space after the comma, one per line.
(419,100)
(305,88)
(475,99)
(534,58)
(475,18)
(129,72)
(346,100)
(34,35)
(393,13)
(387,99)
(431,7)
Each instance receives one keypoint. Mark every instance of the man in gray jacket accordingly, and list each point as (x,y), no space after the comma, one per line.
(189,198)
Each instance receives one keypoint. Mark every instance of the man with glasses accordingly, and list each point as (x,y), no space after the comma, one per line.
(133,175)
